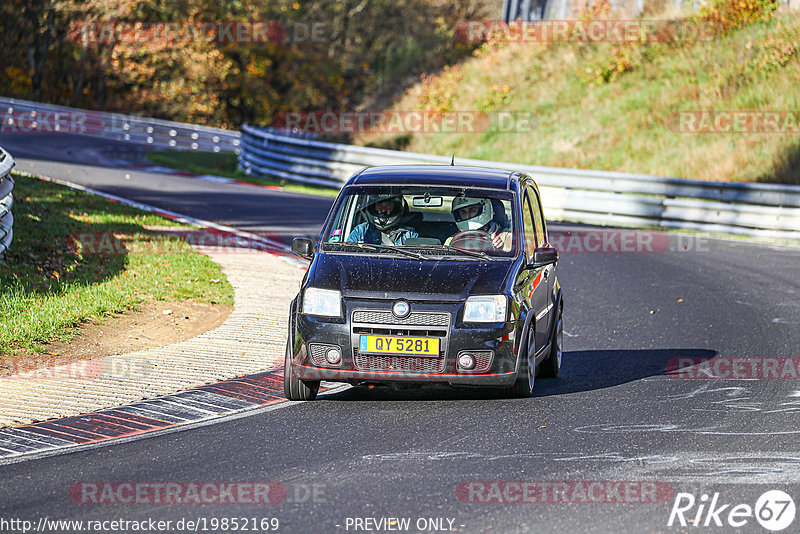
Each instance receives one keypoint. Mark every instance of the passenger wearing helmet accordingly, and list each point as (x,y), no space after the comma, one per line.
(477,215)
(385,215)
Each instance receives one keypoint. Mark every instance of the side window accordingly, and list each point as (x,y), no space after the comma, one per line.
(528,227)
(538,218)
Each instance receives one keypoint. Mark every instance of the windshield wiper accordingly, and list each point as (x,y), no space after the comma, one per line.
(373,247)
(448,248)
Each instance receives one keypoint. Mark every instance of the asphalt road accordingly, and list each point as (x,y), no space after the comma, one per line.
(104,164)
(613,414)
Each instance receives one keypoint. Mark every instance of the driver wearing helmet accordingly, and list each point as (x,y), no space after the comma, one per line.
(384,213)
(477,214)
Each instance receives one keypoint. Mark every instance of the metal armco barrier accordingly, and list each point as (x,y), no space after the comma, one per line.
(6,201)
(583,196)
(34,117)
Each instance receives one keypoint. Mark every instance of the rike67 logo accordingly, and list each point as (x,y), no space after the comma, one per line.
(774,510)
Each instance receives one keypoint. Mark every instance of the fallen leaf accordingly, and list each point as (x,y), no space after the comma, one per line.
(680,300)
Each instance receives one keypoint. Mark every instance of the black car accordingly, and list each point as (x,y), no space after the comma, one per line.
(428,274)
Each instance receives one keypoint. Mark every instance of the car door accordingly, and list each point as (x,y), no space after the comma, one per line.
(537,296)
(545,308)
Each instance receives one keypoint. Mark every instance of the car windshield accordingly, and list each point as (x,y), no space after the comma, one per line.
(428,221)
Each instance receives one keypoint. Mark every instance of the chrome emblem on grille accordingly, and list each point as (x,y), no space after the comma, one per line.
(401,309)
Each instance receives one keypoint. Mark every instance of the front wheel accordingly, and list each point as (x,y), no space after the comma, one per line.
(294,388)
(552,365)
(523,387)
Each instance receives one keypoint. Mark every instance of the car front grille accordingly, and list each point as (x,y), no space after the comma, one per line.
(413,319)
(384,322)
(400,364)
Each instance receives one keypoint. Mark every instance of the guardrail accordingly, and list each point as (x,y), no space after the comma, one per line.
(29,117)
(6,201)
(584,196)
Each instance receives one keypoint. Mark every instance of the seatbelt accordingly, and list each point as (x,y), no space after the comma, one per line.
(386,240)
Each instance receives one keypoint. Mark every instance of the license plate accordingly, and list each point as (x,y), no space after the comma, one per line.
(416,346)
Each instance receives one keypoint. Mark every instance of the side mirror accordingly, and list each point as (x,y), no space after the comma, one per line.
(543,256)
(303,247)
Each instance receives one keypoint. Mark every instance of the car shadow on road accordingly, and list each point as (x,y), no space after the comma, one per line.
(587,370)
(584,370)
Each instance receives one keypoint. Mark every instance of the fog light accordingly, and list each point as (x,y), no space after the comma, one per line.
(466,362)
(333,356)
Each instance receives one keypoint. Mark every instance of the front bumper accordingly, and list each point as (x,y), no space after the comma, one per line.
(495,341)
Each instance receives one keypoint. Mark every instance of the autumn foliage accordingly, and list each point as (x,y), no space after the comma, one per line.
(722,16)
(361,50)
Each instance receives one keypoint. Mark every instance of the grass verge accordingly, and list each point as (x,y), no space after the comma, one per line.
(225,164)
(49,283)
(617,107)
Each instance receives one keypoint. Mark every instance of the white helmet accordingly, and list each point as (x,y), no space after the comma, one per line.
(476,221)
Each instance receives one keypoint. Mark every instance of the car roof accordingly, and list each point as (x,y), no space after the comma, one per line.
(458,175)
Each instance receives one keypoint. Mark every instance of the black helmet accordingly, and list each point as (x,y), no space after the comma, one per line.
(384,221)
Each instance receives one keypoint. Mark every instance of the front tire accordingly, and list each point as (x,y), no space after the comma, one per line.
(552,365)
(523,387)
(293,388)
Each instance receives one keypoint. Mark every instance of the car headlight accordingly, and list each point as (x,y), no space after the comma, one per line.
(485,309)
(325,302)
